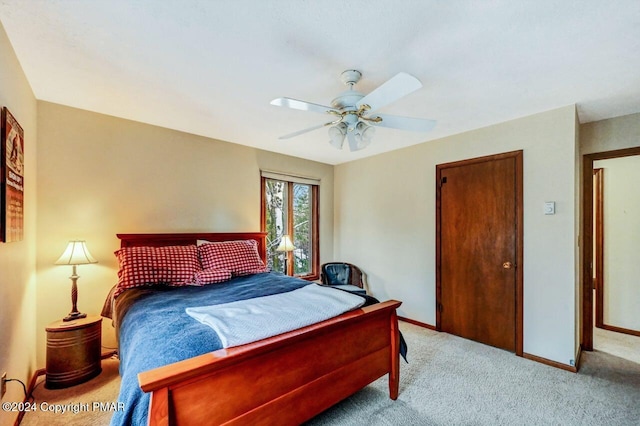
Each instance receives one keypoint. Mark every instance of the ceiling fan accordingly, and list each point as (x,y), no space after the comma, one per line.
(353,112)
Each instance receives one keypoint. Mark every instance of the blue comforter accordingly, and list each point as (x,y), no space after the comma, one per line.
(156,331)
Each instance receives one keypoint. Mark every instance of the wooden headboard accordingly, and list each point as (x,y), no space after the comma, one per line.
(157,240)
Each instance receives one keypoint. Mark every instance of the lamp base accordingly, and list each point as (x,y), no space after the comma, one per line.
(74,316)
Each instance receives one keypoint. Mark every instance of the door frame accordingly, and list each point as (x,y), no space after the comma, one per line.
(586,340)
(519,296)
(598,236)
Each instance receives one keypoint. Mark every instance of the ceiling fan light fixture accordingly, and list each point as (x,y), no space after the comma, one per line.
(337,134)
(364,135)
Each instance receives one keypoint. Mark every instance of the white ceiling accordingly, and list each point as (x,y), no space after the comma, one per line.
(212,67)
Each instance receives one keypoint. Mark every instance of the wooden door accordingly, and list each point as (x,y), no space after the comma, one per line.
(479,227)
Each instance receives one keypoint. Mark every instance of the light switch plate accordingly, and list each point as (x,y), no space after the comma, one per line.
(550,207)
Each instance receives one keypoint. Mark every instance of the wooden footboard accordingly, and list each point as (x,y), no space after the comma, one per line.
(286,379)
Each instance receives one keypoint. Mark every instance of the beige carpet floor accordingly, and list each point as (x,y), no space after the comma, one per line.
(81,398)
(621,345)
(448,381)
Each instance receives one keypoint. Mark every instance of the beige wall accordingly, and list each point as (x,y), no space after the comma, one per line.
(99,175)
(17,259)
(609,135)
(385,222)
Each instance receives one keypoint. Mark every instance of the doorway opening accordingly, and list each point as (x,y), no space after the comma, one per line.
(593,265)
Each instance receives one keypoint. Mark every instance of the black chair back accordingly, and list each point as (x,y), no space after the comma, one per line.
(341,273)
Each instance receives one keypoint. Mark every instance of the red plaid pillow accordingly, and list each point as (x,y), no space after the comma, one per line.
(238,257)
(143,266)
(212,276)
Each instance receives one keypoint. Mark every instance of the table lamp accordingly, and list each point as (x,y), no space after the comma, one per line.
(76,253)
(286,246)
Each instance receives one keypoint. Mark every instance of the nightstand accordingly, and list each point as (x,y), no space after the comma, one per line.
(73,351)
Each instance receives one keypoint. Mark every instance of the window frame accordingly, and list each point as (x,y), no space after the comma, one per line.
(315,225)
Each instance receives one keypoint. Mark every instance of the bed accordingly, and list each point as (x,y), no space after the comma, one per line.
(284,379)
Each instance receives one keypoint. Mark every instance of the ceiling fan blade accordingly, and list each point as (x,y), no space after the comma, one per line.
(299,132)
(405,123)
(301,105)
(390,91)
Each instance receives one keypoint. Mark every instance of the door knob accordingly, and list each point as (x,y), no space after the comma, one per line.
(507,265)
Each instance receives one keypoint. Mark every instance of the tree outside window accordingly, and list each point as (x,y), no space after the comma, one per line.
(291,208)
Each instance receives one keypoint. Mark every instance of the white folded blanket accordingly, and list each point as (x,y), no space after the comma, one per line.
(245,321)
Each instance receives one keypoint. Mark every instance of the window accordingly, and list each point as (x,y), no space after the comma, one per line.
(290,206)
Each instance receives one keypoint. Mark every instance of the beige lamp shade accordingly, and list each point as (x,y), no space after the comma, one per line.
(76,253)
(285,244)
